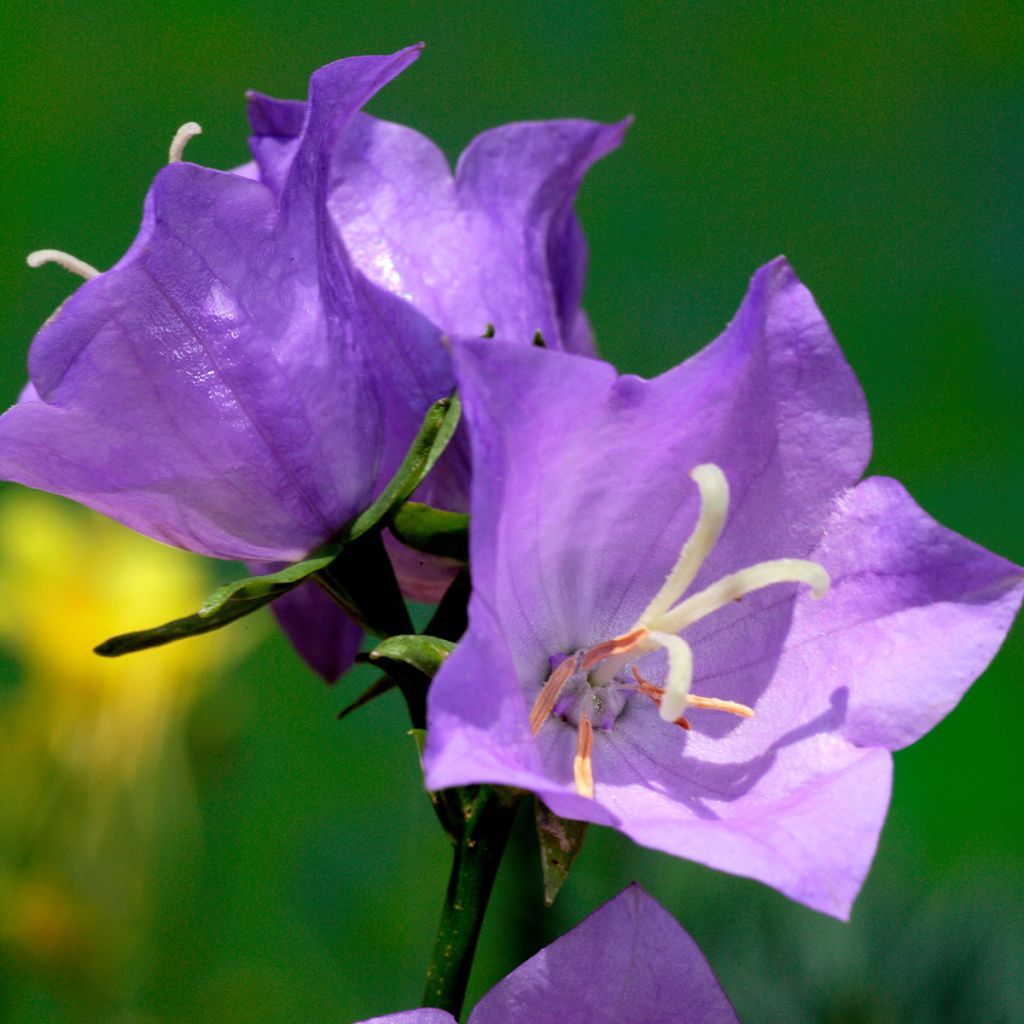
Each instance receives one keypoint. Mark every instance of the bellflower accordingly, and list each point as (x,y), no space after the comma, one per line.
(210,389)
(628,963)
(214,389)
(689,621)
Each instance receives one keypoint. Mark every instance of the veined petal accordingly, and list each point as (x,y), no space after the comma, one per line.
(478,722)
(586,461)
(495,244)
(915,615)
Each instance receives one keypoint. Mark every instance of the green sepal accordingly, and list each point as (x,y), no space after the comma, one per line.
(438,427)
(423,653)
(560,840)
(228,611)
(243,597)
(432,530)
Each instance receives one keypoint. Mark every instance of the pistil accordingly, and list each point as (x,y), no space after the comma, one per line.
(63,259)
(189,130)
(658,628)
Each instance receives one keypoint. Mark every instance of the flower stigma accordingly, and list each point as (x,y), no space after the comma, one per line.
(63,259)
(189,130)
(590,688)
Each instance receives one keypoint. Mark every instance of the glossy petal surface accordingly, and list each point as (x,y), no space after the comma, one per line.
(198,389)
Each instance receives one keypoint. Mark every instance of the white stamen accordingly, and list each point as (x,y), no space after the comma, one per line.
(680,674)
(714,505)
(62,259)
(187,131)
(738,584)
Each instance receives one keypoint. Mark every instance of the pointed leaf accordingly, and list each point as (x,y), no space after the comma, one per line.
(423,653)
(432,530)
(438,427)
(560,840)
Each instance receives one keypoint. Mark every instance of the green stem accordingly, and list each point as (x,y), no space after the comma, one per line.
(488,814)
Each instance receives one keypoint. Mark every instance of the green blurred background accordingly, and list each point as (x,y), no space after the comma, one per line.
(255,860)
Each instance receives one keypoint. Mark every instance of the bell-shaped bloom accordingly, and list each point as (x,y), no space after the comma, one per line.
(654,643)
(211,389)
(628,963)
(217,388)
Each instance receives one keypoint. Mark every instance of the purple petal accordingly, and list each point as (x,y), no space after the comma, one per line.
(326,638)
(498,244)
(276,133)
(425,1016)
(589,470)
(915,614)
(196,391)
(627,963)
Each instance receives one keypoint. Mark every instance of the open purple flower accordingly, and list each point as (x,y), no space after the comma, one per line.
(645,649)
(211,389)
(628,963)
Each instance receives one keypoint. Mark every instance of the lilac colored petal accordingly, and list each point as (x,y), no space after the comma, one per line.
(592,480)
(425,1016)
(627,963)
(477,726)
(194,391)
(497,244)
(915,614)
(326,638)
(276,131)
(423,578)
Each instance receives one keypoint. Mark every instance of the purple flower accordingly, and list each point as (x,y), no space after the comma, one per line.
(629,963)
(645,649)
(211,389)
(496,244)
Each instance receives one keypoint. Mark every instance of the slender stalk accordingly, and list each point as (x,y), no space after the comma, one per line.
(488,814)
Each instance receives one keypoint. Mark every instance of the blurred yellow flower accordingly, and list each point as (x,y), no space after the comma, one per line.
(92,750)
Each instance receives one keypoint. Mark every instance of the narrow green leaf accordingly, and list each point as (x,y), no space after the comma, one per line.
(438,427)
(273,584)
(432,530)
(560,840)
(228,611)
(423,653)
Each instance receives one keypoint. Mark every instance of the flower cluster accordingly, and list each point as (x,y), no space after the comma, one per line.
(690,620)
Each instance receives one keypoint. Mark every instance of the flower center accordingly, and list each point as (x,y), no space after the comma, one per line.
(591,687)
